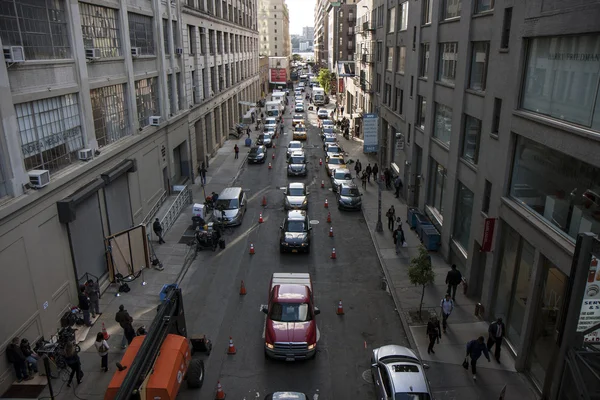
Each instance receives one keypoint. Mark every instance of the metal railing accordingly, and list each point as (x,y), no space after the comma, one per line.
(148,218)
(181,201)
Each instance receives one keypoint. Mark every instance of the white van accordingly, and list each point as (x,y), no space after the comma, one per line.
(274,109)
(231,206)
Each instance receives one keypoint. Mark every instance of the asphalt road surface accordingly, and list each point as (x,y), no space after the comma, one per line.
(214,307)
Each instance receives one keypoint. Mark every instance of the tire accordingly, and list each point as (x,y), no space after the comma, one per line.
(195,374)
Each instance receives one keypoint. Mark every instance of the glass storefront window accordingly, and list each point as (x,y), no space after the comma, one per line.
(442,128)
(510,249)
(563,190)
(520,295)
(561,78)
(462,221)
(437,186)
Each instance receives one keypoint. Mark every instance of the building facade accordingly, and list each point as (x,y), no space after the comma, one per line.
(274,28)
(321,32)
(120,103)
(489,110)
(308,33)
(263,72)
(341,42)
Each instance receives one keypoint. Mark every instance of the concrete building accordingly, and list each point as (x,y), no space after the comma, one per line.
(263,73)
(486,111)
(321,32)
(150,88)
(341,43)
(308,33)
(274,28)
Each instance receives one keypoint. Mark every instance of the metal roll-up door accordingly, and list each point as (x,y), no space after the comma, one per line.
(87,238)
(118,206)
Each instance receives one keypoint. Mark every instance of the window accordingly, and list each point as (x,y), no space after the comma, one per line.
(109,110)
(442,128)
(146,99)
(437,187)
(448,60)
(378,83)
(427,11)
(192,38)
(170,93)
(559,188)
(195,86)
(141,33)
(483,5)
(496,116)
(472,132)
(219,42)
(399,100)
(424,60)
(211,41)
(50,132)
(390,59)
(179,90)
(487,197)
(462,216)
(404,16)
(401,63)
(100,29)
(391,20)
(39,26)
(414,38)
(412,84)
(451,9)
(175,31)
(166,37)
(421,112)
(379,51)
(202,41)
(506,28)
(388,94)
(561,79)
(479,65)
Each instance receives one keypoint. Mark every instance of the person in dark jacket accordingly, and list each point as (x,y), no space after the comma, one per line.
(73,362)
(158,230)
(398,185)
(202,173)
(453,278)
(391,216)
(18,360)
(433,332)
(31,358)
(474,350)
(369,171)
(375,172)
(496,332)
(84,305)
(357,167)
(126,322)
(93,293)
(387,175)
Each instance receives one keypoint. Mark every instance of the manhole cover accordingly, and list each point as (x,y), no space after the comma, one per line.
(314,222)
(367,377)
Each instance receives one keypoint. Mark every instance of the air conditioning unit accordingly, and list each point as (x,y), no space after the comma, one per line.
(14,54)
(179,51)
(38,178)
(136,52)
(155,120)
(92,54)
(85,154)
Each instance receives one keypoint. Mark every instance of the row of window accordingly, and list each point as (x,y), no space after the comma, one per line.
(218,42)
(452,9)
(228,12)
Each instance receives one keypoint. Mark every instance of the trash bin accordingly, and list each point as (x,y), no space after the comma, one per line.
(411,216)
(420,221)
(165,289)
(430,237)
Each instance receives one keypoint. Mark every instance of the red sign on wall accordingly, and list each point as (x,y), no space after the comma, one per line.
(488,234)
(341,85)
(278,75)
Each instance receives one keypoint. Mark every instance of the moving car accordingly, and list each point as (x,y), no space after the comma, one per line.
(295,232)
(265,139)
(271,122)
(339,176)
(231,206)
(399,374)
(329,139)
(286,396)
(258,154)
(327,131)
(297,164)
(334,162)
(293,146)
(298,119)
(298,92)
(323,114)
(296,196)
(299,132)
(299,98)
(348,197)
(299,107)
(327,123)
(333,149)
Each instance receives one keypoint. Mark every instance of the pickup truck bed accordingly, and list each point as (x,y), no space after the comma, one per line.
(291,278)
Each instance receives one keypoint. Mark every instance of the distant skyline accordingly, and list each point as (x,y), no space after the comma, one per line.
(302,13)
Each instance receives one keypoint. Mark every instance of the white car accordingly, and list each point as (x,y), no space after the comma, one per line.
(271,122)
(299,98)
(299,107)
(294,145)
(323,114)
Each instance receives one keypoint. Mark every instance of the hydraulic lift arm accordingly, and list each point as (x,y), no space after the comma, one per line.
(170,318)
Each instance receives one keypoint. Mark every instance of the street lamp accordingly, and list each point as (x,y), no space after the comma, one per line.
(379,226)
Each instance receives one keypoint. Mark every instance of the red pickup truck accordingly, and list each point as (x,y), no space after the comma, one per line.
(290,327)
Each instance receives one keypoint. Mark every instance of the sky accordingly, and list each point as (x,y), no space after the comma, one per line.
(302,13)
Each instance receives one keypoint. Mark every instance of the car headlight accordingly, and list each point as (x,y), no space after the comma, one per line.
(269,345)
(305,202)
(285,243)
(304,244)
(312,346)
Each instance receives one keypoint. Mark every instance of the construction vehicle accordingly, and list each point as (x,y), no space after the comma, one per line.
(155,365)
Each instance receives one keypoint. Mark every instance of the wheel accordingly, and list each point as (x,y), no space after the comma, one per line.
(195,374)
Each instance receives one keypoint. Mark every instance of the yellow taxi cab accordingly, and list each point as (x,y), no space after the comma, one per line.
(333,162)
(298,119)
(299,132)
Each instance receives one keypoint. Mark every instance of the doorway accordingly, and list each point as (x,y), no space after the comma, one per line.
(181,163)
(418,174)
(166,184)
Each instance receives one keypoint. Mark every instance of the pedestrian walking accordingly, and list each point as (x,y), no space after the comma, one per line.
(447,305)
(375,172)
(236,149)
(84,306)
(158,231)
(474,350)
(102,349)
(93,293)
(364,180)
(391,216)
(342,109)
(125,321)
(15,356)
(248,129)
(281,129)
(433,332)
(453,278)
(74,362)
(387,175)
(369,171)
(31,357)
(398,185)
(358,167)
(202,173)
(400,239)
(318,108)
(496,332)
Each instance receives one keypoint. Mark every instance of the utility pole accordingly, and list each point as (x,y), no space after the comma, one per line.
(379,226)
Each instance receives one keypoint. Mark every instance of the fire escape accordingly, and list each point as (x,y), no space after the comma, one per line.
(366,57)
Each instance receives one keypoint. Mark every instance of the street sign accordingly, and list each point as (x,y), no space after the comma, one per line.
(336,3)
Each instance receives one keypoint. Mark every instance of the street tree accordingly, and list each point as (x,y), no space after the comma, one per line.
(325,77)
(420,272)
(296,57)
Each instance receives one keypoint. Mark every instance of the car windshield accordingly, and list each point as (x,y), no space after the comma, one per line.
(328,131)
(273,113)
(268,136)
(290,312)
(336,161)
(334,149)
(295,145)
(297,160)
(256,150)
(295,226)
(328,122)
(350,192)
(412,396)
(298,117)
(227,204)
(330,139)
(270,121)
(342,175)
(300,129)
(295,192)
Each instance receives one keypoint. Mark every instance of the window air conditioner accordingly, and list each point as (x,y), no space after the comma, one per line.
(92,54)
(38,178)
(136,52)
(14,54)
(85,154)
(179,51)
(155,120)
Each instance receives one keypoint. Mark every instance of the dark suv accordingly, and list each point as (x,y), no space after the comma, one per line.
(295,233)
(297,164)
(258,154)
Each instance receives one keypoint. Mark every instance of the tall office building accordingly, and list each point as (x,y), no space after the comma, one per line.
(341,43)
(274,28)
(104,108)
(321,31)
(308,33)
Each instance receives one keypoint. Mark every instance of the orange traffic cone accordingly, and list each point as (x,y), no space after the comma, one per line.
(242,289)
(231,350)
(322,184)
(220,393)
(331,231)
(333,255)
(260,218)
(270,166)
(320,161)
(340,309)
(329,217)
(274,146)
(104,333)
(251,248)
(273,156)
(264,201)
(326,204)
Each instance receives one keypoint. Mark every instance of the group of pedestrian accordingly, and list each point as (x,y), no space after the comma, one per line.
(23,359)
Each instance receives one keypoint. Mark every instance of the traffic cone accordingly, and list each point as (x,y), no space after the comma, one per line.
(274,146)
(104,333)
(320,161)
(242,289)
(329,217)
(333,255)
(270,166)
(331,231)
(264,201)
(322,184)
(340,309)
(231,350)
(326,204)
(251,248)
(260,218)
(273,156)
(220,393)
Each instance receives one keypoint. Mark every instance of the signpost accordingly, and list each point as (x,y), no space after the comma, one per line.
(370,136)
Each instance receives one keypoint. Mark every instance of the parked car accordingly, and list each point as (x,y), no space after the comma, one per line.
(329,139)
(296,196)
(258,154)
(327,123)
(348,197)
(334,162)
(323,114)
(297,164)
(295,232)
(268,139)
(299,107)
(271,122)
(333,149)
(293,146)
(339,176)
